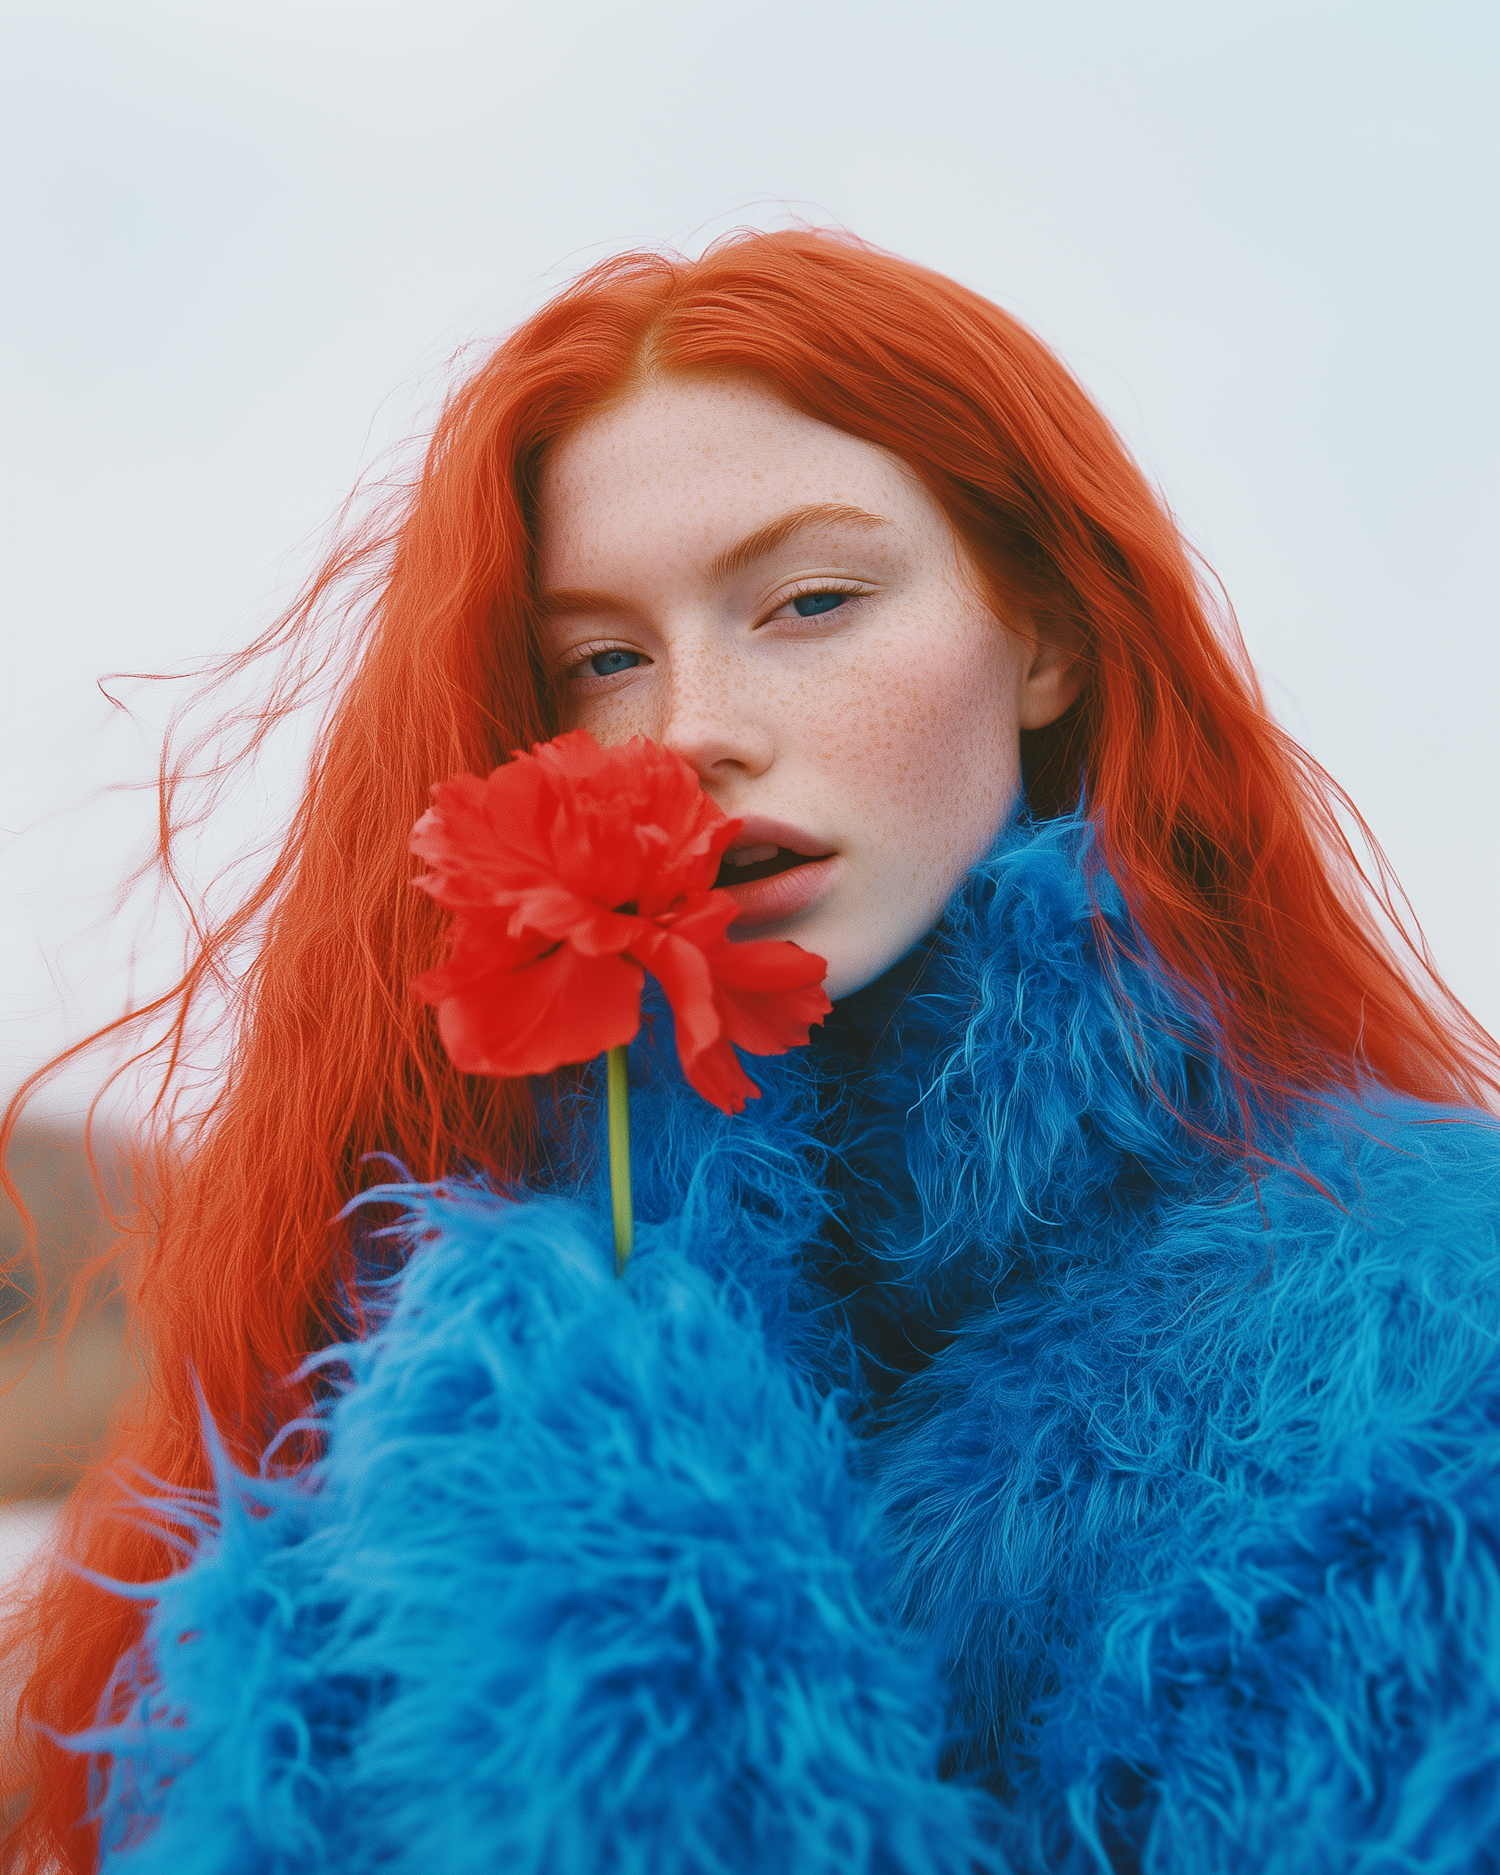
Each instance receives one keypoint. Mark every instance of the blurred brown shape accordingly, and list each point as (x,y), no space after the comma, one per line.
(56,1396)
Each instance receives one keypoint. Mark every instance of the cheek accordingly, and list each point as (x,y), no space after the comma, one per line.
(938,752)
(613,716)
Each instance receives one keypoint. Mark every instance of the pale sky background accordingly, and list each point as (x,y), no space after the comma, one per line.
(241,241)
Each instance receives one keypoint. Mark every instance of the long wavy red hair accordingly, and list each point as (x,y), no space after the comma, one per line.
(1227,839)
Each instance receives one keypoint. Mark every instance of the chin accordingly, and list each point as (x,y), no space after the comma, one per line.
(850,970)
(848,974)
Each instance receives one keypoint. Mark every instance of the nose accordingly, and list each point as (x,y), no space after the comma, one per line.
(716,722)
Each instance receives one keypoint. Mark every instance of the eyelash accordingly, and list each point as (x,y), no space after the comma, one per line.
(848,588)
(580,655)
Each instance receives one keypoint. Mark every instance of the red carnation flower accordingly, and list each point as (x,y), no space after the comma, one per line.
(575,869)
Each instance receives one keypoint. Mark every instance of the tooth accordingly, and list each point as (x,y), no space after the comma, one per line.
(751,855)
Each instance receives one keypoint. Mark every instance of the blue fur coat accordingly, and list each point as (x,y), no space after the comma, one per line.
(974,1471)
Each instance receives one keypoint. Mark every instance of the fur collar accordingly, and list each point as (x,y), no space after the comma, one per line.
(1003,1096)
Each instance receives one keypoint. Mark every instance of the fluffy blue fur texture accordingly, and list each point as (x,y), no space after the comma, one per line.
(979,1468)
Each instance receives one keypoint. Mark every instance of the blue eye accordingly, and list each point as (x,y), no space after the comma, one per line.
(810,604)
(606,663)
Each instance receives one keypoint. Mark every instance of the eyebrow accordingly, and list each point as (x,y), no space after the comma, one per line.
(736,559)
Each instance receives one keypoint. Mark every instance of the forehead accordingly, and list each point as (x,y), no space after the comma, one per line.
(690,459)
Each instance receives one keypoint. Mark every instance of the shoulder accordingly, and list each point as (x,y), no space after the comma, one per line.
(1384,1149)
(1388,1208)
(1348,1285)
(1287,1324)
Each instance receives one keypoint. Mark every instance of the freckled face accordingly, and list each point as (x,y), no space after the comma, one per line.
(787,608)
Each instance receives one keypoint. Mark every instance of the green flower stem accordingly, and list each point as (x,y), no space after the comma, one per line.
(619,1158)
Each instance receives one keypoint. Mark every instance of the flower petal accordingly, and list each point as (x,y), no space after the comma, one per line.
(635,826)
(558,1008)
(769,993)
(479,838)
(717,1076)
(708,1062)
(554,913)
(682,970)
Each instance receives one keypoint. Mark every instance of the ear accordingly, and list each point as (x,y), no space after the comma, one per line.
(1054,676)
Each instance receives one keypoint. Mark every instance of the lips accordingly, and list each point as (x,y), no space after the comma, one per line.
(786,870)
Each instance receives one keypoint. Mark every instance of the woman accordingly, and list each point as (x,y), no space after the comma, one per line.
(1055,1427)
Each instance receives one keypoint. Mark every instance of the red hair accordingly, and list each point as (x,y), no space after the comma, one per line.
(1225,837)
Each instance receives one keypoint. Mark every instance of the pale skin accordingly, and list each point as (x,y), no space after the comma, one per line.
(870,734)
